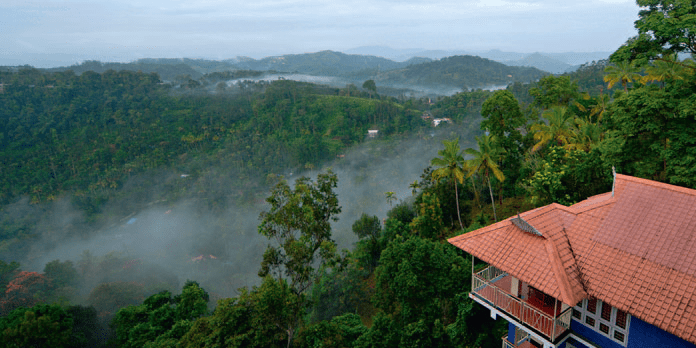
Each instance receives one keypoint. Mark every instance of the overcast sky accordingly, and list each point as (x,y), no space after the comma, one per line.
(125,30)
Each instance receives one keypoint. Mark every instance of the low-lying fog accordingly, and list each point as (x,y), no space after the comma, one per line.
(222,250)
(340,82)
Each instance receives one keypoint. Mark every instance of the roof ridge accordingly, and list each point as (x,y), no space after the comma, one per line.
(657,184)
(591,206)
(480,231)
(562,279)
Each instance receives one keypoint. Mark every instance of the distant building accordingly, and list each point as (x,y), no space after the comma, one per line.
(437,121)
(615,270)
(372,133)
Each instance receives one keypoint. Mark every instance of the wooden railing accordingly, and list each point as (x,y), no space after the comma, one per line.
(508,344)
(549,326)
(521,344)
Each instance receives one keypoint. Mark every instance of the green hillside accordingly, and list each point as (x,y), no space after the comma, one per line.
(460,71)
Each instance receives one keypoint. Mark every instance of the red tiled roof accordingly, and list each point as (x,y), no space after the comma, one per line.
(635,250)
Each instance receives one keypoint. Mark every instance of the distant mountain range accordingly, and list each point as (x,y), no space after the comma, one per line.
(421,75)
(396,71)
(555,63)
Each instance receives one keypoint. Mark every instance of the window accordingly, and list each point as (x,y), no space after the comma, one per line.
(603,318)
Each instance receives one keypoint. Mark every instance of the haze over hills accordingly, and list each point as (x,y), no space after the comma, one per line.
(415,76)
(551,62)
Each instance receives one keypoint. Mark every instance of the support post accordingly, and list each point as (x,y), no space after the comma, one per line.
(555,314)
(473,258)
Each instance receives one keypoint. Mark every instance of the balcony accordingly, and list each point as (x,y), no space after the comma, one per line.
(530,307)
(523,344)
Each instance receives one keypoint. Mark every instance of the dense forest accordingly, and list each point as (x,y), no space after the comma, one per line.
(401,284)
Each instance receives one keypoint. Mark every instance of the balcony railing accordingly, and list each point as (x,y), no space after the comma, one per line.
(489,284)
(523,344)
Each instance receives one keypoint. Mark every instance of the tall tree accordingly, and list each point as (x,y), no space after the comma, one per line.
(485,161)
(665,70)
(299,222)
(450,166)
(664,27)
(623,72)
(502,115)
(554,90)
(370,86)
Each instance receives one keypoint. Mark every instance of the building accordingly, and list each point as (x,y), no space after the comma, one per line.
(372,133)
(615,270)
(437,121)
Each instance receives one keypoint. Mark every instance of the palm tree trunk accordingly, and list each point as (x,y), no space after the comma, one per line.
(476,193)
(492,200)
(456,192)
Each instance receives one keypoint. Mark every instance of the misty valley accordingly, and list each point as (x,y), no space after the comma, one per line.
(303,200)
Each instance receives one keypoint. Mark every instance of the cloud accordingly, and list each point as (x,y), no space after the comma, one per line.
(228,28)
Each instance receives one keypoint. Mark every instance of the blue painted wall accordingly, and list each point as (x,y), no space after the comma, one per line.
(644,335)
(596,337)
(511,333)
(640,335)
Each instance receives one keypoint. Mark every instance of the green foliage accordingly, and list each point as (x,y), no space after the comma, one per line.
(86,325)
(369,230)
(385,332)
(460,106)
(657,128)
(474,326)
(457,71)
(370,85)
(343,290)
(624,72)
(428,224)
(109,297)
(367,227)
(61,273)
(417,280)
(161,320)
(192,303)
(299,221)
(502,115)
(235,323)
(40,326)
(450,166)
(554,91)
(340,331)
(485,161)
(7,272)
(664,26)
(569,176)
(558,130)
(546,185)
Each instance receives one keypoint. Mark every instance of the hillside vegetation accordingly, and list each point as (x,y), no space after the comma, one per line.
(401,284)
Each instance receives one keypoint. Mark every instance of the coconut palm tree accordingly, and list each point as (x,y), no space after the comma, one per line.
(485,161)
(667,68)
(623,72)
(596,110)
(390,197)
(559,128)
(450,166)
(584,135)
